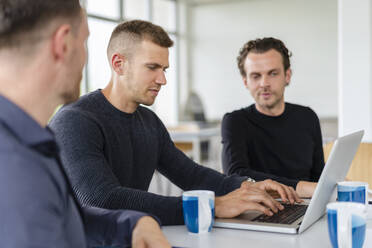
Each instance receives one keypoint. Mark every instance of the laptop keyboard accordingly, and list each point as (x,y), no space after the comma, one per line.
(288,215)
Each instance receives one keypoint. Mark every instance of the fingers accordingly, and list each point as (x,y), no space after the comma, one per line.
(291,194)
(156,243)
(147,234)
(138,244)
(297,197)
(283,191)
(261,196)
(258,207)
(287,194)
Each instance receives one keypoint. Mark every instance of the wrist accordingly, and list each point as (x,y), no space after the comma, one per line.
(250,180)
(305,189)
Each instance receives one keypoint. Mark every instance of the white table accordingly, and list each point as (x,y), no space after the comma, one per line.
(195,137)
(314,237)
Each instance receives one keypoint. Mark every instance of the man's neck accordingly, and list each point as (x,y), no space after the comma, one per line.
(118,98)
(27,92)
(274,111)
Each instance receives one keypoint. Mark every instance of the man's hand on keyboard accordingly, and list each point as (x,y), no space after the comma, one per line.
(243,199)
(286,193)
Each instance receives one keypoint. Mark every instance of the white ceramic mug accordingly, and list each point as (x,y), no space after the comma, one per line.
(198,210)
(346,224)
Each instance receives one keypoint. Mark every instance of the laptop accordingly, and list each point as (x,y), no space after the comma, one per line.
(334,171)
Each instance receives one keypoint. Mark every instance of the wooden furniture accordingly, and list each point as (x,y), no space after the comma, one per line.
(361,167)
(188,138)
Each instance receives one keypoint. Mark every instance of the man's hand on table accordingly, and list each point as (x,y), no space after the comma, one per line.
(147,234)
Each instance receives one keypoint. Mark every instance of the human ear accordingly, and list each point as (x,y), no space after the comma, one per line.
(61,42)
(117,63)
(288,75)
(245,82)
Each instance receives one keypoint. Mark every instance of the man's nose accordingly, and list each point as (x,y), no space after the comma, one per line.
(265,81)
(161,79)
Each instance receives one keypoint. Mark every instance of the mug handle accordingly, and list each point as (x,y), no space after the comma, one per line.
(206,213)
(344,232)
(366,196)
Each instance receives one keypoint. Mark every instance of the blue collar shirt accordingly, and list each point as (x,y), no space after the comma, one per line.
(37,207)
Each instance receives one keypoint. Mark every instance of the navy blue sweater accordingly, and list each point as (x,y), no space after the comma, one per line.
(110,157)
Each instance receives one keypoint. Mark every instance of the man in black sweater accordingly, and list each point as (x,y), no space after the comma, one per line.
(271,138)
(111,145)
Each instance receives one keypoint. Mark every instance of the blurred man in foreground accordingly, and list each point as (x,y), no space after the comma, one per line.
(42,53)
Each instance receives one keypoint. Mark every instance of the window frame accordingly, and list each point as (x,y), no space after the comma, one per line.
(150,10)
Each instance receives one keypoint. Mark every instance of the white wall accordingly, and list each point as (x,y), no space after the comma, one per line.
(308,28)
(355,62)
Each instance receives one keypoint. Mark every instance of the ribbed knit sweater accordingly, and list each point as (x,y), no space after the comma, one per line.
(110,157)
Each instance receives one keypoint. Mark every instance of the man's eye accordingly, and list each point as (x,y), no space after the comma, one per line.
(274,73)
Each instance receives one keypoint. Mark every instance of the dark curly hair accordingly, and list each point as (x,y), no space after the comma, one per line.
(261,46)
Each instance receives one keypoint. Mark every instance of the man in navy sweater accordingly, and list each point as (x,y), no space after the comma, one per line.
(111,145)
(42,53)
(271,138)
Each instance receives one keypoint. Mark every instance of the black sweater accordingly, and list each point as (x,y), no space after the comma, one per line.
(285,148)
(110,157)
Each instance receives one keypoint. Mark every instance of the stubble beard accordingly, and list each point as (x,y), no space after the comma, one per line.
(268,105)
(73,95)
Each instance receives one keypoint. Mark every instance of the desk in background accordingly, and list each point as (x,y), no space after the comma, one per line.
(188,137)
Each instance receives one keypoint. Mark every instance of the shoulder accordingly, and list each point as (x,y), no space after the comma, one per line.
(146,114)
(151,123)
(236,121)
(303,111)
(237,115)
(25,168)
(77,115)
(70,120)
(88,104)
(145,111)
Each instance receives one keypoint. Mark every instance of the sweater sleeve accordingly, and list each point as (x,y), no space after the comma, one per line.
(235,158)
(93,181)
(106,227)
(318,155)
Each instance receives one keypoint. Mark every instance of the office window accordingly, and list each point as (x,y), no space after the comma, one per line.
(99,72)
(109,8)
(164,14)
(136,9)
(103,16)
(164,104)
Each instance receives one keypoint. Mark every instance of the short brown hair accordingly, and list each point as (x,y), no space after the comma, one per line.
(261,46)
(19,18)
(128,34)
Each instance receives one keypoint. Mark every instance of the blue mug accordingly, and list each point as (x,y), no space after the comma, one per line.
(346,224)
(198,210)
(352,192)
